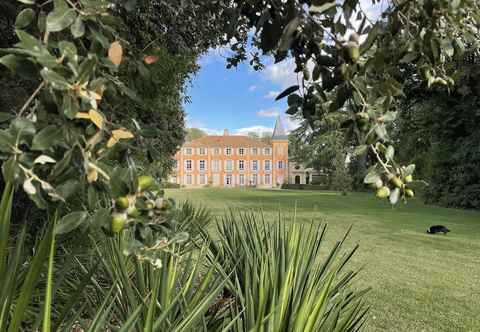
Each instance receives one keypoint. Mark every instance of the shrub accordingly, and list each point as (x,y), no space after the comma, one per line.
(305,187)
(281,281)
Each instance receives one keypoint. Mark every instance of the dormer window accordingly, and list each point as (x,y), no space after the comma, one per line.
(267,151)
(228,151)
(202,151)
(188,151)
(241,151)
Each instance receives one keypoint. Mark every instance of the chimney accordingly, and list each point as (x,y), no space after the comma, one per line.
(225,132)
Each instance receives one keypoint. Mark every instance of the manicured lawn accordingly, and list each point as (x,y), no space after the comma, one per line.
(420,282)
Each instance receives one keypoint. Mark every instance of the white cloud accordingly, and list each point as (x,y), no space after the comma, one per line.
(252,88)
(281,74)
(269,113)
(258,129)
(272,94)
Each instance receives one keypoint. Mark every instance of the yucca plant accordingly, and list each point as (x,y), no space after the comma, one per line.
(20,272)
(282,280)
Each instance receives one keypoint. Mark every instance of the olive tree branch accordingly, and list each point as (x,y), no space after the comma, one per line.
(380,159)
(31,98)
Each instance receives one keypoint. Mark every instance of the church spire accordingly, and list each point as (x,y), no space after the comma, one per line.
(279,131)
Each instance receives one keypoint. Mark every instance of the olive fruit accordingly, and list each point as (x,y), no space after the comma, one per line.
(340,73)
(408,178)
(383,192)
(149,205)
(397,182)
(409,193)
(133,212)
(352,51)
(145,182)
(362,118)
(122,203)
(118,222)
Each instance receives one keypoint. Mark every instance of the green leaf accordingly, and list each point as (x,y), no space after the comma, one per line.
(410,169)
(390,153)
(360,150)
(7,141)
(287,91)
(60,19)
(27,2)
(47,138)
(78,28)
(372,176)
(288,34)
(5,117)
(57,81)
(47,305)
(24,18)
(70,222)
(372,36)
(19,65)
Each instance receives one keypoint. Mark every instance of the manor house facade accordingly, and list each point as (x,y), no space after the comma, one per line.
(233,161)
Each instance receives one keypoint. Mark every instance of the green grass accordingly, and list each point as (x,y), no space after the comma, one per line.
(420,282)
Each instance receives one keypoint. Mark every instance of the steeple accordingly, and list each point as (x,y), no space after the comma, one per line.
(279,133)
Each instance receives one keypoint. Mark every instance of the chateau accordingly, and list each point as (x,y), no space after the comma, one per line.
(232,161)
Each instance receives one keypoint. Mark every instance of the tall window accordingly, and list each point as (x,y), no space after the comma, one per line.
(228,151)
(216,165)
(267,165)
(241,165)
(254,165)
(189,179)
(228,165)
(254,151)
(202,151)
(201,165)
(241,179)
(228,180)
(254,179)
(188,151)
(280,164)
(188,165)
(241,151)
(267,151)
(267,179)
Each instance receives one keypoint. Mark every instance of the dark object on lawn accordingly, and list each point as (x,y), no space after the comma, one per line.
(438,229)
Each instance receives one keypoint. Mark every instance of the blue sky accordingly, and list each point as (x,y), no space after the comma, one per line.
(240,99)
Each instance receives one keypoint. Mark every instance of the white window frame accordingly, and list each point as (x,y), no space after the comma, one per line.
(254,165)
(280,164)
(254,151)
(241,165)
(267,151)
(188,151)
(241,151)
(200,165)
(268,179)
(189,162)
(216,165)
(228,163)
(228,151)
(267,165)
(202,151)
